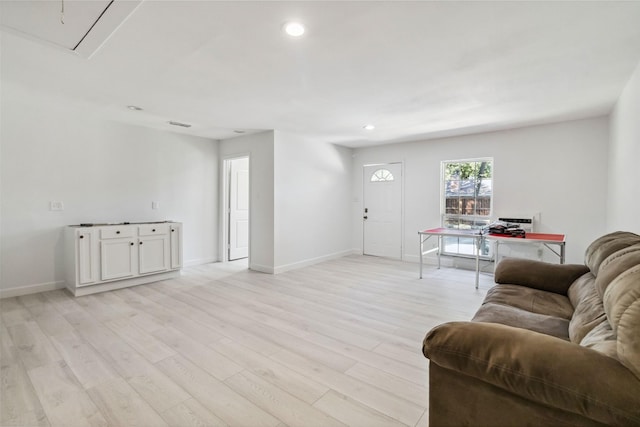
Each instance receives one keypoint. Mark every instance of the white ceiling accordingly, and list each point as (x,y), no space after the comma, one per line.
(415,70)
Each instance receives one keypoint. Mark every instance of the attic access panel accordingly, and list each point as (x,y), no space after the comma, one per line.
(87,24)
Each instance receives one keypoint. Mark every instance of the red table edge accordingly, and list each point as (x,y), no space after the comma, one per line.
(529,236)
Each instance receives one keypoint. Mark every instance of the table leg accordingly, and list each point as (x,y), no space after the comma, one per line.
(478,243)
(439,249)
(421,250)
(562,253)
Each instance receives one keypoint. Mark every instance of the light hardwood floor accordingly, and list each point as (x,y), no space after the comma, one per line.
(334,344)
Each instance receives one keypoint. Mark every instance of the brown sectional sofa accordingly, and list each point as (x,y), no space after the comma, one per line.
(551,345)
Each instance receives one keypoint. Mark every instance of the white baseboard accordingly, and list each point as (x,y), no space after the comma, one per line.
(194,262)
(261,268)
(50,286)
(410,258)
(31,289)
(428,259)
(445,261)
(304,263)
(311,261)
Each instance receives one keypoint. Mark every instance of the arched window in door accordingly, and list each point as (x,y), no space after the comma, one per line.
(382,175)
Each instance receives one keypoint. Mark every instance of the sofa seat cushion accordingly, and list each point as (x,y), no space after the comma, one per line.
(524,319)
(531,300)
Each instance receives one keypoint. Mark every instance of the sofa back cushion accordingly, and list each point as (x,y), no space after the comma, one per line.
(618,279)
(604,246)
(616,264)
(588,307)
(602,339)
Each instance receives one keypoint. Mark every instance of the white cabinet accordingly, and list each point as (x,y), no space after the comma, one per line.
(85,246)
(117,252)
(153,248)
(176,245)
(105,257)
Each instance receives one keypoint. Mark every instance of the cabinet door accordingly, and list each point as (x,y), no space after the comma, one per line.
(117,258)
(87,253)
(176,246)
(153,254)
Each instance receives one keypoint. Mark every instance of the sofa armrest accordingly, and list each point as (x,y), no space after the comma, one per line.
(539,368)
(539,275)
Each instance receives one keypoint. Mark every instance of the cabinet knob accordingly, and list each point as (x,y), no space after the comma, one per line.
(140,242)
(131,243)
(153,230)
(173,229)
(117,231)
(82,236)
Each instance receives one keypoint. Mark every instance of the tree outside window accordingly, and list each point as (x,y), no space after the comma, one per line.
(467,200)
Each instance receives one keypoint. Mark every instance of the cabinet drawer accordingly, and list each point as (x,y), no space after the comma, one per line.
(153,229)
(116,232)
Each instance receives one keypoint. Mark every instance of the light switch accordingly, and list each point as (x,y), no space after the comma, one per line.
(56,206)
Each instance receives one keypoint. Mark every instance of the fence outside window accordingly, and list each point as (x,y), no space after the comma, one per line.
(467,199)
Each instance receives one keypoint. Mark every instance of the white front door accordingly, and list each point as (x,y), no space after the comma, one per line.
(382,215)
(238,208)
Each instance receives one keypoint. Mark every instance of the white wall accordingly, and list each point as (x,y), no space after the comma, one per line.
(623,203)
(103,172)
(299,199)
(557,170)
(259,147)
(312,201)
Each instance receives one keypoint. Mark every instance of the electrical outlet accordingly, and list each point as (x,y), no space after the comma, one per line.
(56,206)
(155,205)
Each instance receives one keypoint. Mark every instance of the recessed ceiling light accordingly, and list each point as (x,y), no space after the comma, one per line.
(134,108)
(184,125)
(294,29)
(368,127)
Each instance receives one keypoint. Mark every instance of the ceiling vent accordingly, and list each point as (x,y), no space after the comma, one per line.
(79,26)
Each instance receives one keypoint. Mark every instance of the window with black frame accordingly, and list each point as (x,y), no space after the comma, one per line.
(467,193)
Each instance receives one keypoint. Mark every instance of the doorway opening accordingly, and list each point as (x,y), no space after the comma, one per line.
(236,209)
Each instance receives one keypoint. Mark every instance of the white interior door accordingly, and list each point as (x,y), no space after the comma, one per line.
(238,208)
(382,214)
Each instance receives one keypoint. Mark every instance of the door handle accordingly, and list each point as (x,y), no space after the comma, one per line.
(365,217)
